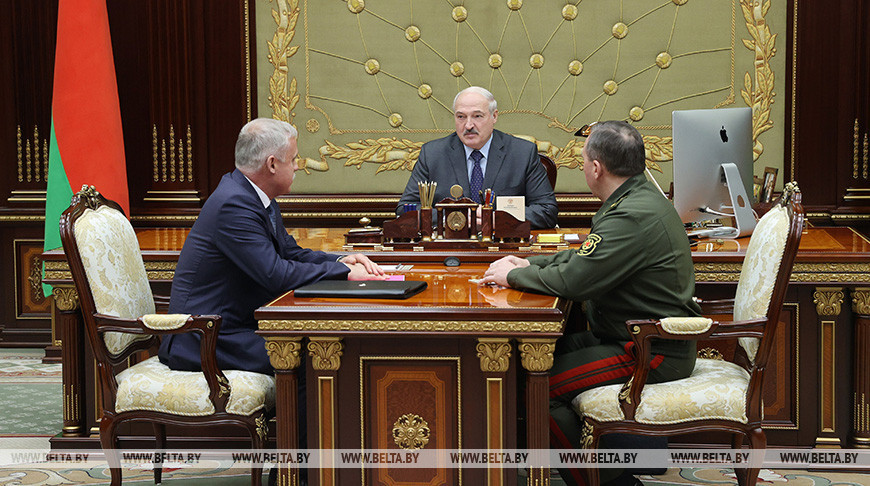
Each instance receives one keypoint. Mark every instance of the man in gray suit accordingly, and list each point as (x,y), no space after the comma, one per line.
(478,157)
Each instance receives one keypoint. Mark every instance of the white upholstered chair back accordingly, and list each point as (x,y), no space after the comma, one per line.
(760,268)
(115,270)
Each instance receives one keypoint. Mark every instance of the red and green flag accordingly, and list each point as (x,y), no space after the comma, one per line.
(87,143)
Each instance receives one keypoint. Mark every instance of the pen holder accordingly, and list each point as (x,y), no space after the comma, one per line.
(424,223)
(486,223)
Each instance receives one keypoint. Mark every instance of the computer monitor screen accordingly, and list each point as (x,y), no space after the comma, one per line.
(706,185)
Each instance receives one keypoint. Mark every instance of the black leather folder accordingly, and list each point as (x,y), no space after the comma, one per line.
(367,289)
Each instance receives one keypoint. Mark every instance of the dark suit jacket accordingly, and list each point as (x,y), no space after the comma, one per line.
(232,263)
(513,168)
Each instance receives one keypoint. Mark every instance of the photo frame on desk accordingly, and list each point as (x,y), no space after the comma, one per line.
(757,183)
(768,183)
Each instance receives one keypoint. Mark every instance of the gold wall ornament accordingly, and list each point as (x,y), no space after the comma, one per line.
(312,125)
(569,12)
(663,60)
(283,96)
(536,61)
(35,279)
(411,432)
(828,300)
(710,353)
(372,66)
(284,352)
(424,91)
(575,67)
(494,354)
(66,298)
(610,87)
(759,96)
(856,134)
(325,353)
(636,113)
(495,61)
(459,13)
(861,300)
(391,153)
(412,33)
(515,4)
(457,69)
(619,30)
(395,120)
(356,6)
(537,354)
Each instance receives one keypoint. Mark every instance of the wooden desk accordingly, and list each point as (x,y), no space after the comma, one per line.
(818,393)
(444,358)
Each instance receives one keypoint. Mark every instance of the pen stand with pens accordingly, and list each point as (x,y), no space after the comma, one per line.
(452,224)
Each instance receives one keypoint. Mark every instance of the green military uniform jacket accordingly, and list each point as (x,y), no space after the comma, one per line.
(636,263)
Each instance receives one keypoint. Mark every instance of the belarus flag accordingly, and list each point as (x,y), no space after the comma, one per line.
(87,143)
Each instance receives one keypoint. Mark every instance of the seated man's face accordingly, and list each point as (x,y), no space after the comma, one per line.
(474,122)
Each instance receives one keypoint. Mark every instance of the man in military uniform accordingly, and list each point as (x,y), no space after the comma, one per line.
(636,263)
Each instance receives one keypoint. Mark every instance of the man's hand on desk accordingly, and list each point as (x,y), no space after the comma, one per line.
(498,270)
(371,267)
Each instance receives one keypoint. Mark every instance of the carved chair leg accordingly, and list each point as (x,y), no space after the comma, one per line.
(737,444)
(160,442)
(259,431)
(757,441)
(590,443)
(109,443)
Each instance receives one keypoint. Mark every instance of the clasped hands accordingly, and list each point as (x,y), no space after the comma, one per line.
(498,270)
(361,268)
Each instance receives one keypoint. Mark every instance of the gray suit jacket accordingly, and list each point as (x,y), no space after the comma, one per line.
(512,169)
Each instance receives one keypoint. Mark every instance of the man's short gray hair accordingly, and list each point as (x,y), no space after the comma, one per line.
(481,91)
(259,139)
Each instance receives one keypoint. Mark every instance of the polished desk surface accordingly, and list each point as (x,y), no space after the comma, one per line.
(449,296)
(817,243)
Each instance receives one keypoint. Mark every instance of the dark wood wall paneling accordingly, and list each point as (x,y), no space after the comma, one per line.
(185,63)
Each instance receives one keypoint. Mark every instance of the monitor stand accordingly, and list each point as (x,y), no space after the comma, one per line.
(740,203)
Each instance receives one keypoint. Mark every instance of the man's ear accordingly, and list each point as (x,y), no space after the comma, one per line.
(271,164)
(495,116)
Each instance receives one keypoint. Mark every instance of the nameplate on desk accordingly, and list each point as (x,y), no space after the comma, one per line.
(513,205)
(366,289)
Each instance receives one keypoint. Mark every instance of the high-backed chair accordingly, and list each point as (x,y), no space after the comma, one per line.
(719,395)
(550,167)
(119,314)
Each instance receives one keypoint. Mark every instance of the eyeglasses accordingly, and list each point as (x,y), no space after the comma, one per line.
(585,130)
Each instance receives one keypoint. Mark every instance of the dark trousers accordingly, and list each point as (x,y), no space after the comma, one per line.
(580,362)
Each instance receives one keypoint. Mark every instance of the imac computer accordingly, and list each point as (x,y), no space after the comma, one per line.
(713,169)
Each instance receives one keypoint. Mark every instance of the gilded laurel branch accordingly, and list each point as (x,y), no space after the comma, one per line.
(283,98)
(760,96)
(390,152)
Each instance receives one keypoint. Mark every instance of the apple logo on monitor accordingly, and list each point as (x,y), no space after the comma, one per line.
(723,135)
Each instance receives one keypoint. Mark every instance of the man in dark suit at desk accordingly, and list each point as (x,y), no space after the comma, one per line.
(635,264)
(478,157)
(238,255)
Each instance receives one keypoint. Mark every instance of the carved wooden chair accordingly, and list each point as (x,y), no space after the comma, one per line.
(119,314)
(550,167)
(719,395)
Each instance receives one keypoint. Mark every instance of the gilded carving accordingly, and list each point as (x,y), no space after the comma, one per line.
(35,279)
(224,385)
(284,352)
(326,353)
(861,300)
(283,96)
(586,435)
(431,326)
(494,355)
(410,431)
(537,354)
(66,298)
(760,96)
(262,427)
(624,395)
(828,300)
(710,353)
